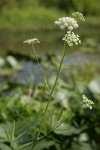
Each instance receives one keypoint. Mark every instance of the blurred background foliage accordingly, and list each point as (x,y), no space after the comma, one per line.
(33,14)
(90,7)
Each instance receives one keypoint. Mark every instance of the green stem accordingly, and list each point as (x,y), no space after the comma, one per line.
(41,71)
(62,58)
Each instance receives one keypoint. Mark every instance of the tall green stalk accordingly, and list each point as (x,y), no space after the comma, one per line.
(53,88)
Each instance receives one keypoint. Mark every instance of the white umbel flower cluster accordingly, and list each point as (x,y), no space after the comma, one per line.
(71,38)
(67,22)
(88,102)
(70,24)
(32,41)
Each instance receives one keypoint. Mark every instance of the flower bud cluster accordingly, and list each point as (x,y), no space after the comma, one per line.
(71,38)
(88,102)
(78,15)
(67,22)
(32,41)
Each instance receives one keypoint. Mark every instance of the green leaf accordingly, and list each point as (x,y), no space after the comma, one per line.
(94,85)
(66,129)
(44,144)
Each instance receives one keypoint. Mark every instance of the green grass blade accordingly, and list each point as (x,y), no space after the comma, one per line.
(13,131)
(8,138)
(60,114)
(24,145)
(54,139)
(20,135)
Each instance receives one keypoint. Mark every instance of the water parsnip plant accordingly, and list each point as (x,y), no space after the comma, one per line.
(70,38)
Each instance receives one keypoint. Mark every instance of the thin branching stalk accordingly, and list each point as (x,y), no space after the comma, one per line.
(51,93)
(41,71)
(57,125)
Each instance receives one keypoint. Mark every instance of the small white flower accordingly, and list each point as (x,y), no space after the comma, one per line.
(62,27)
(71,38)
(75,26)
(70,28)
(32,41)
(88,102)
(67,22)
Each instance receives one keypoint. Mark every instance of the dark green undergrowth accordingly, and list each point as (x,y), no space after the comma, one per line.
(22,106)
